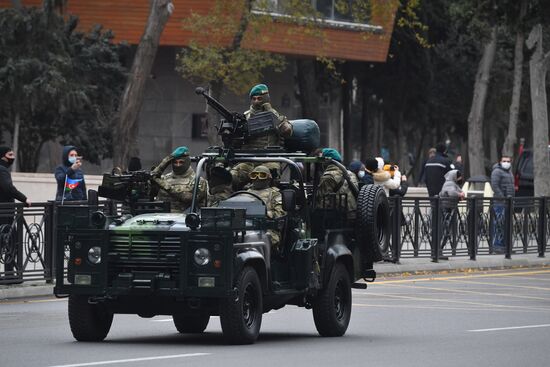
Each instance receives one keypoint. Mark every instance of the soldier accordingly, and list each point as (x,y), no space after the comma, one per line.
(271,196)
(220,185)
(333,182)
(177,186)
(260,102)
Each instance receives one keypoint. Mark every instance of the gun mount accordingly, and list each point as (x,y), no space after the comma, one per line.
(127,187)
(233,127)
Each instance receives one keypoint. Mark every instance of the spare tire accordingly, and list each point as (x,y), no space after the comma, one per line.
(373,223)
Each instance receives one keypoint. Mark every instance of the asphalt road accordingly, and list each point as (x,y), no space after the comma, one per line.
(498,318)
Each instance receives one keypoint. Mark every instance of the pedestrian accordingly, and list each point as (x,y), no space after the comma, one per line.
(435,169)
(71,185)
(422,179)
(385,178)
(459,165)
(8,194)
(358,168)
(502,183)
(450,195)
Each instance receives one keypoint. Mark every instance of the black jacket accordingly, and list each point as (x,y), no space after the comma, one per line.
(435,170)
(8,192)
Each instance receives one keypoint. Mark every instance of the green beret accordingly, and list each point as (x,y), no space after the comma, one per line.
(332,153)
(180,152)
(258,90)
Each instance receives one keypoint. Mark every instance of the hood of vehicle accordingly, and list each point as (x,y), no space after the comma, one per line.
(153,222)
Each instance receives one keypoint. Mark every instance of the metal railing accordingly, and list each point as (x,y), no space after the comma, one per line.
(438,227)
(472,227)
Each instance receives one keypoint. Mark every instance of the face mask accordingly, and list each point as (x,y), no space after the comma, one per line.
(181,169)
(10,161)
(361,174)
(72,160)
(506,165)
(260,184)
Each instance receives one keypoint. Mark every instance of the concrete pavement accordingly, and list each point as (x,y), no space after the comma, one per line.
(407,266)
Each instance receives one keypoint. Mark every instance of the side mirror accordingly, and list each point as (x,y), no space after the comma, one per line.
(289,200)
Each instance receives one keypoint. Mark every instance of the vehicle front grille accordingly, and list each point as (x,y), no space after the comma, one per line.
(145,252)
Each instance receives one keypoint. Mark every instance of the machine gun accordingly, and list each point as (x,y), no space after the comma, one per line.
(233,126)
(127,187)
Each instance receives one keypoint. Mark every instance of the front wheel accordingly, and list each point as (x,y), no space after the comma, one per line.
(195,324)
(89,322)
(241,318)
(332,308)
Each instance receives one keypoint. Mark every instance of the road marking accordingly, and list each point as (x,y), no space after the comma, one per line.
(33,301)
(458,302)
(471,276)
(408,306)
(498,284)
(133,360)
(163,320)
(469,292)
(510,328)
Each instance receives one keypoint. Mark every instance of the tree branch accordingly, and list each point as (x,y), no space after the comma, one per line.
(534,36)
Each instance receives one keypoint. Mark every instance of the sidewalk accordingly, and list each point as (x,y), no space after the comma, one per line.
(407,266)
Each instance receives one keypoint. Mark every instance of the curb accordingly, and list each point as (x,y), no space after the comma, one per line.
(22,291)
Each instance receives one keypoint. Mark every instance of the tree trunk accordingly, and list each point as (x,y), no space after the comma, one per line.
(538,67)
(126,130)
(365,128)
(475,118)
(511,137)
(346,110)
(16,127)
(305,75)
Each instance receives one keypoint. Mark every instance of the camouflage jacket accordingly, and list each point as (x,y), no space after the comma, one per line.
(333,182)
(178,190)
(273,201)
(219,193)
(284,130)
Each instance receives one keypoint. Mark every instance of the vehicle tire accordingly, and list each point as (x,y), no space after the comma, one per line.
(89,322)
(241,318)
(332,308)
(373,222)
(194,324)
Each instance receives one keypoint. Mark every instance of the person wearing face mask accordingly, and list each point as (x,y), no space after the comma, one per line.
(177,186)
(71,185)
(260,101)
(502,183)
(8,194)
(359,169)
(260,178)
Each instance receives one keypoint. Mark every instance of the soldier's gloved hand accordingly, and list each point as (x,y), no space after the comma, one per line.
(180,152)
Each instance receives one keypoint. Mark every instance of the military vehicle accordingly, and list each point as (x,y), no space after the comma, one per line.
(218,261)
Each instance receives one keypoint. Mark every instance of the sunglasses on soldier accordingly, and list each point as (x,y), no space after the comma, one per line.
(258,175)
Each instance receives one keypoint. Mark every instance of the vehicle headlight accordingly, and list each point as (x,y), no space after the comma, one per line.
(94,255)
(202,256)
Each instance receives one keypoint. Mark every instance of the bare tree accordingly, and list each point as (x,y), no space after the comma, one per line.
(126,129)
(538,67)
(511,137)
(475,118)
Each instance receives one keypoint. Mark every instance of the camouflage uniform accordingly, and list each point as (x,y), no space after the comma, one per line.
(273,200)
(333,182)
(178,188)
(219,193)
(241,171)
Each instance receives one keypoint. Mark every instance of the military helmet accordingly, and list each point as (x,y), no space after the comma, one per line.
(260,173)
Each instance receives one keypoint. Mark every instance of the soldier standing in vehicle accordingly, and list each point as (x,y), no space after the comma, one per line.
(260,102)
(271,196)
(334,191)
(219,183)
(177,186)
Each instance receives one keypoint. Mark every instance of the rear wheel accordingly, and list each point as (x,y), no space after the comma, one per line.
(89,322)
(332,308)
(241,318)
(194,324)
(373,230)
